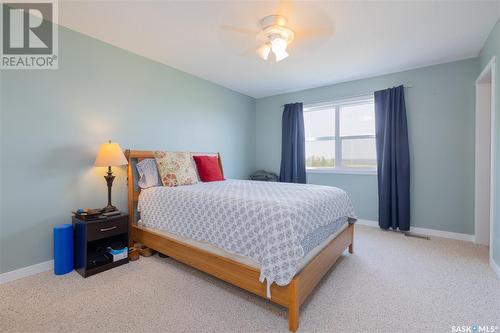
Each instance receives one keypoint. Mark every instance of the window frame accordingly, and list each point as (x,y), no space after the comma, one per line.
(337,138)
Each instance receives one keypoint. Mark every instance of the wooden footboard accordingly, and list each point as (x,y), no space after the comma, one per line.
(246,277)
(238,274)
(231,271)
(311,275)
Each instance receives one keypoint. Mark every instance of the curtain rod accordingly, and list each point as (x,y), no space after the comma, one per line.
(352,96)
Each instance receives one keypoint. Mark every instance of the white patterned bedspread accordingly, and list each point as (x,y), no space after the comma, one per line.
(265,221)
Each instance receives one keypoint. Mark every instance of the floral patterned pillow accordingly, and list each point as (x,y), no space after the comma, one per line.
(175,168)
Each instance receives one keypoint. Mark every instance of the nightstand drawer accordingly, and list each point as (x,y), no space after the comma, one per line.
(106,229)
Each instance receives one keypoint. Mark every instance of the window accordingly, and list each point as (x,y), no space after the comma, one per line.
(340,136)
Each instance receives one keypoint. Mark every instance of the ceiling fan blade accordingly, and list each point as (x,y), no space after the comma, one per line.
(286,8)
(239,30)
(247,52)
(312,33)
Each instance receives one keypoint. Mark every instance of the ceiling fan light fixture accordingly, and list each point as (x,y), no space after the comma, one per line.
(278,46)
(281,55)
(275,36)
(264,51)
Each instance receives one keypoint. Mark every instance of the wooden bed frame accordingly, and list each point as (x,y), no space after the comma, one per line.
(290,296)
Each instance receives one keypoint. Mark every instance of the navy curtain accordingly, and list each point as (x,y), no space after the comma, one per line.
(393,159)
(293,150)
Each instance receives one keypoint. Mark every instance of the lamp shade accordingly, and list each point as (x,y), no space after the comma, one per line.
(110,154)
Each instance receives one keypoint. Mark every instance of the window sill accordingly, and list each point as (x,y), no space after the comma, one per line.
(344,171)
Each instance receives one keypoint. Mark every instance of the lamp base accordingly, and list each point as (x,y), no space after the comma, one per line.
(109,181)
(109,208)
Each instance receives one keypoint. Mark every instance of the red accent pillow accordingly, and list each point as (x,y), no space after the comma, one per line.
(208,168)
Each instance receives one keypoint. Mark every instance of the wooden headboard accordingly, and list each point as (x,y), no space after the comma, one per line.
(133,157)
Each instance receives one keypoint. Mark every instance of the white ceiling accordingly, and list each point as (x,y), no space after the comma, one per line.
(335,41)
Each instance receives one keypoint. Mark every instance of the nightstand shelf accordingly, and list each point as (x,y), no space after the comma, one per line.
(104,267)
(93,237)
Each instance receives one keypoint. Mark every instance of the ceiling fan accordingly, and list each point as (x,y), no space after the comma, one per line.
(311,29)
(274,36)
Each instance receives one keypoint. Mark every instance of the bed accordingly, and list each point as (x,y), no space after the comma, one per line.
(275,240)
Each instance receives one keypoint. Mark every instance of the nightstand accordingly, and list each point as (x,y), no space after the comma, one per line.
(94,237)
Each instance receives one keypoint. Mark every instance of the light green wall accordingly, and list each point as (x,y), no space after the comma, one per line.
(440,110)
(492,49)
(53,121)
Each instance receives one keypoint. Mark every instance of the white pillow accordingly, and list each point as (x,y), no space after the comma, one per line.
(148,173)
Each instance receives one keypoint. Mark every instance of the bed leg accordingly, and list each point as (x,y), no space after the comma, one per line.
(351,248)
(293,307)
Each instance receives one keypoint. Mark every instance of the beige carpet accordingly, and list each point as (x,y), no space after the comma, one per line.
(391,284)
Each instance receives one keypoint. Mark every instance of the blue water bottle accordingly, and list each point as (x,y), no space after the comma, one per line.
(63,249)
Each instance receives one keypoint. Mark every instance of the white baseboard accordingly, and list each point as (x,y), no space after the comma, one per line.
(49,265)
(368,223)
(425,231)
(26,271)
(494,267)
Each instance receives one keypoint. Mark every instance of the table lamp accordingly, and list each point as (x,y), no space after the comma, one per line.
(110,154)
